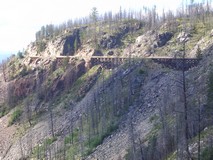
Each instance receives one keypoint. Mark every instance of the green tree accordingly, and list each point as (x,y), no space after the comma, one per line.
(94,18)
(94,15)
(20,55)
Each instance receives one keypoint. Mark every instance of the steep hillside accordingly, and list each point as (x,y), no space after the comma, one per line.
(55,103)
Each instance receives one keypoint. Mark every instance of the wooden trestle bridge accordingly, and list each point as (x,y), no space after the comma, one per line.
(114,61)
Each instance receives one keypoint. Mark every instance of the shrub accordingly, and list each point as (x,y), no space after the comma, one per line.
(49,141)
(20,55)
(41,46)
(71,137)
(15,116)
(3,111)
(207,154)
(141,71)
(98,139)
(40,148)
(24,71)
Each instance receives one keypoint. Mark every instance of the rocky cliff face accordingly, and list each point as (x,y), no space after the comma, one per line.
(108,41)
(71,43)
(67,44)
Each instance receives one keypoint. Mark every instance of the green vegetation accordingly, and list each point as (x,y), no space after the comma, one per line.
(55,75)
(20,55)
(16,68)
(154,118)
(114,90)
(207,153)
(102,121)
(15,116)
(92,143)
(49,141)
(81,87)
(71,138)
(65,63)
(24,71)
(3,110)
(72,142)
(39,150)
(41,46)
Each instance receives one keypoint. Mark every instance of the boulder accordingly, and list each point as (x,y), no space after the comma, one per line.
(183,36)
(113,41)
(139,40)
(164,38)
(211,34)
(97,53)
(110,53)
(23,86)
(109,42)
(71,43)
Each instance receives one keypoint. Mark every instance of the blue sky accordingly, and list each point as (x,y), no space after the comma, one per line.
(20,19)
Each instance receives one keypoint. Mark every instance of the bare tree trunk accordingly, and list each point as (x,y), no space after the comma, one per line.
(51,121)
(28,112)
(81,135)
(141,150)
(186,130)
(38,152)
(131,134)
(64,153)
(199,128)
(50,156)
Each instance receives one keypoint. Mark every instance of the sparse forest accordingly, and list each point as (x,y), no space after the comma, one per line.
(59,107)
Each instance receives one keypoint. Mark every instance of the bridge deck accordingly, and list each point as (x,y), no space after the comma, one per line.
(177,63)
(118,57)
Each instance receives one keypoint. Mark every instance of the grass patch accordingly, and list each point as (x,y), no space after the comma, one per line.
(71,138)
(98,139)
(142,72)
(79,88)
(49,141)
(3,110)
(39,150)
(15,116)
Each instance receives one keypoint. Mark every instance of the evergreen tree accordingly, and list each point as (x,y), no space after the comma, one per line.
(94,18)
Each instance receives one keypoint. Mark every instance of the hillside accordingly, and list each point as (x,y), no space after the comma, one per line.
(93,90)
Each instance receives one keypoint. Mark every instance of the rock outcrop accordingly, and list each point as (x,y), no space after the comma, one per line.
(114,40)
(164,38)
(71,43)
(67,44)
